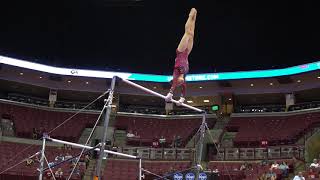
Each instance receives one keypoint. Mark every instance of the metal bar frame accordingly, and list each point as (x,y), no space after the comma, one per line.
(42,156)
(202,127)
(160,95)
(106,123)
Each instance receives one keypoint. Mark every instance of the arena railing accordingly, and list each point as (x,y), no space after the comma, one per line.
(275,152)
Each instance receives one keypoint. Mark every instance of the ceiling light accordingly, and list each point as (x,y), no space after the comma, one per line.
(271,84)
(200,87)
(40,77)
(298,80)
(206,101)
(154,87)
(87,82)
(251,85)
(318,77)
(69,81)
(230,99)
(189,101)
(21,73)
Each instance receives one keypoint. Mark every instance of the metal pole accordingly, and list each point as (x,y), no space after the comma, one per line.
(89,147)
(106,123)
(160,95)
(140,166)
(42,157)
(200,146)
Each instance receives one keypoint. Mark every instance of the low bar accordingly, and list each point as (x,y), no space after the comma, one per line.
(160,95)
(89,147)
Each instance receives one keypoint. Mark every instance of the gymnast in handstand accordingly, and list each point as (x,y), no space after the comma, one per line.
(181,66)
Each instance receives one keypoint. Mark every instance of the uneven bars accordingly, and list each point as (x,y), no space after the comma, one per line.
(89,147)
(160,95)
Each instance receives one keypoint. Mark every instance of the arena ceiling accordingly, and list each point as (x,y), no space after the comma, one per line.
(140,36)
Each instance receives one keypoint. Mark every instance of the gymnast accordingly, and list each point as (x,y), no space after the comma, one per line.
(181,66)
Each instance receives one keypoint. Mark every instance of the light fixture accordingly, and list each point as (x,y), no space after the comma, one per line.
(271,84)
(40,77)
(251,85)
(87,82)
(230,99)
(298,80)
(206,100)
(154,87)
(318,77)
(200,87)
(21,73)
(69,81)
(189,101)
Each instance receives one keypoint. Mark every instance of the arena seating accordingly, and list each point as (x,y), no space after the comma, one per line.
(27,118)
(150,129)
(129,169)
(274,129)
(9,150)
(232,168)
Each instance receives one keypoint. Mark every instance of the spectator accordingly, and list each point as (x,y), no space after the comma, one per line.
(76,169)
(58,173)
(67,156)
(312,174)
(275,165)
(162,141)
(299,177)
(75,160)
(130,134)
(315,164)
(29,161)
(59,158)
(264,162)
(67,147)
(178,141)
(284,169)
(34,133)
(263,176)
(50,164)
(271,175)
(243,167)
(48,175)
(155,144)
(249,167)
(87,160)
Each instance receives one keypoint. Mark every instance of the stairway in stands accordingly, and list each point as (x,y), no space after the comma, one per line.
(222,121)
(225,138)
(99,131)
(90,171)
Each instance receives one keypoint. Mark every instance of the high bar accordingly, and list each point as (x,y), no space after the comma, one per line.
(89,147)
(160,95)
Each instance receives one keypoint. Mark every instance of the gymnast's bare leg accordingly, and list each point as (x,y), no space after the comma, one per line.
(181,66)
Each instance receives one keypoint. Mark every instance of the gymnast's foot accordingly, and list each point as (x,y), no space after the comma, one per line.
(169,97)
(181,101)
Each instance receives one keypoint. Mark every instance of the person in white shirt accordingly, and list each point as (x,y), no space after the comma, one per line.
(275,165)
(130,134)
(299,177)
(59,158)
(315,164)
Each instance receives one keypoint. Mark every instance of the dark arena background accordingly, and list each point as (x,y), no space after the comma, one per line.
(83,85)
